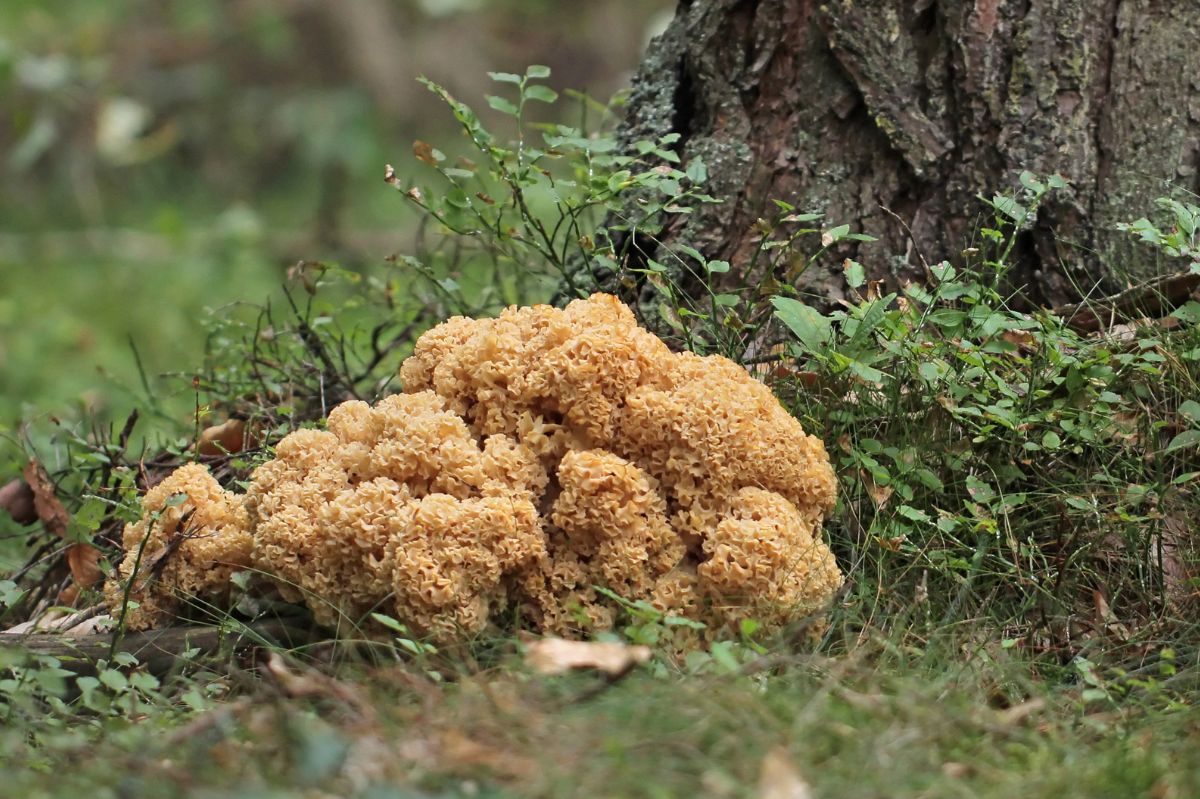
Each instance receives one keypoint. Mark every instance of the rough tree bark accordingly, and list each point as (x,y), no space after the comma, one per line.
(863,109)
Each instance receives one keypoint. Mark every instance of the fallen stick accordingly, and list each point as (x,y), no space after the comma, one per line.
(159,650)
(1152,299)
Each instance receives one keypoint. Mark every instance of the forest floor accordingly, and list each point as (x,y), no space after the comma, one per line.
(920,719)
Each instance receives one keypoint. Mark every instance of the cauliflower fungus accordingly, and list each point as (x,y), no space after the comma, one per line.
(532,459)
(192,537)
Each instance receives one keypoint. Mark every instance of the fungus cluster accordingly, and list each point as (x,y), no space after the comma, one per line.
(532,459)
(193,535)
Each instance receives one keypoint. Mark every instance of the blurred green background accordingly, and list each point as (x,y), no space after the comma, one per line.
(162,160)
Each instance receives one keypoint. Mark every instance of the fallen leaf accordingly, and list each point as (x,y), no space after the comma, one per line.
(305,681)
(50,621)
(880,494)
(1107,618)
(956,771)
(1181,578)
(1169,322)
(458,750)
(1021,339)
(16,497)
(49,510)
(84,560)
(99,623)
(1017,714)
(778,778)
(556,656)
(225,438)
(1126,426)
(68,595)
(806,379)
(22,628)
(293,684)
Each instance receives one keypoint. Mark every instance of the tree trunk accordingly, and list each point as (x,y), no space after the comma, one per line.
(893,115)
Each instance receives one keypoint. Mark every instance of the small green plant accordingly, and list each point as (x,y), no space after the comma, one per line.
(36,689)
(530,209)
(1177,234)
(670,636)
(407,644)
(993,458)
(646,624)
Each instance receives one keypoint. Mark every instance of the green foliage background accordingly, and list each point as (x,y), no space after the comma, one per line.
(164,159)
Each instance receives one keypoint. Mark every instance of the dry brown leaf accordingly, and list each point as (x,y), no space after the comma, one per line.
(84,560)
(1169,322)
(227,437)
(49,510)
(16,497)
(99,623)
(424,152)
(49,621)
(880,494)
(1179,567)
(1021,339)
(1127,424)
(459,750)
(1108,619)
(955,770)
(1017,714)
(778,778)
(306,681)
(556,656)
(307,274)
(806,379)
(293,684)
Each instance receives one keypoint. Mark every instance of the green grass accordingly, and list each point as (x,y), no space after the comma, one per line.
(69,327)
(878,721)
